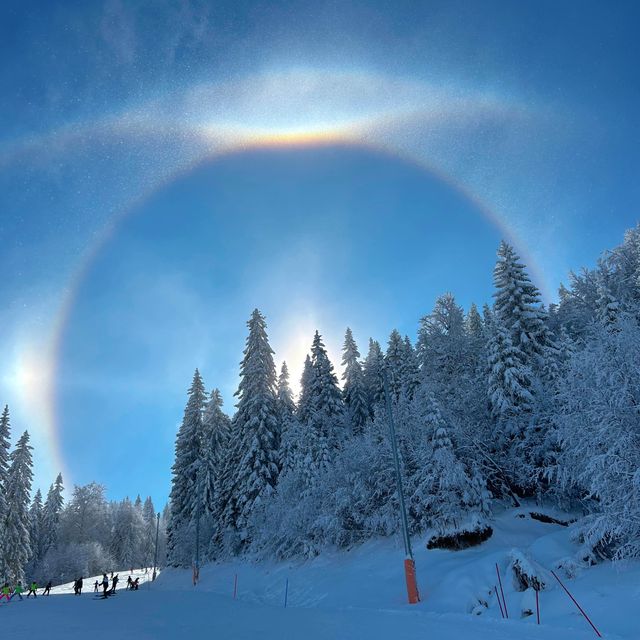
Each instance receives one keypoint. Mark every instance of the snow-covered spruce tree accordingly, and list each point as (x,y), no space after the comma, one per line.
(179,541)
(256,429)
(16,544)
(600,435)
(443,351)
(35,528)
(473,323)
(446,498)
(395,363)
(509,379)
(304,405)
(518,308)
(289,427)
(51,514)
(148,542)
(373,379)
(354,391)
(410,369)
(208,487)
(5,433)
(326,424)
(127,533)
(608,309)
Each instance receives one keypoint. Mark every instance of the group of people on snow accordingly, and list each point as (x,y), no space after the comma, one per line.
(10,593)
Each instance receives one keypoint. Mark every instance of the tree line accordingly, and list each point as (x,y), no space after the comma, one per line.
(58,541)
(517,401)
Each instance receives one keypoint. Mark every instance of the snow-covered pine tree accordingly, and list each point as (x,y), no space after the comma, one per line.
(608,309)
(35,527)
(304,405)
(256,426)
(353,390)
(5,433)
(210,471)
(148,542)
(373,378)
(410,369)
(509,379)
(16,544)
(289,427)
(395,363)
(325,398)
(517,307)
(51,514)
(127,533)
(473,323)
(446,497)
(179,543)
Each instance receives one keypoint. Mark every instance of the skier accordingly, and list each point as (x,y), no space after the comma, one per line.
(129,583)
(135,584)
(75,587)
(114,584)
(6,592)
(105,585)
(33,587)
(47,589)
(95,586)
(79,583)
(17,591)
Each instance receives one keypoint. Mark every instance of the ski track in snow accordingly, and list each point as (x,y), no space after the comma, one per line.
(352,595)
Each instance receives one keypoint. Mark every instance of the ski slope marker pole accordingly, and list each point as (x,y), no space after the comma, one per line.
(537,607)
(235,586)
(286,592)
(499,603)
(593,626)
(504,602)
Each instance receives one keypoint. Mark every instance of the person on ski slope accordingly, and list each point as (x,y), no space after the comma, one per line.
(18,591)
(114,583)
(80,583)
(105,585)
(129,582)
(47,589)
(6,592)
(33,587)
(95,586)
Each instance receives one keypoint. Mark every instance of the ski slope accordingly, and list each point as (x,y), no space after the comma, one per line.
(357,594)
(87,583)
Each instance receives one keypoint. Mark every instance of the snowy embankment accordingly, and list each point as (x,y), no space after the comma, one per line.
(360,594)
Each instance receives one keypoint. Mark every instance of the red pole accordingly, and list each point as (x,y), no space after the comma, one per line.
(506,613)
(577,605)
(537,607)
(235,586)
(410,577)
(499,603)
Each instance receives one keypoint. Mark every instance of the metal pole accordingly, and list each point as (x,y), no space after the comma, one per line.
(396,461)
(155,555)
(198,542)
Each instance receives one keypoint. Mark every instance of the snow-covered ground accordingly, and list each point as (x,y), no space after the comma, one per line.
(359,594)
(143,575)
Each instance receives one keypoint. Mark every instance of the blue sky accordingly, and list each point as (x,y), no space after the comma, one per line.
(167,167)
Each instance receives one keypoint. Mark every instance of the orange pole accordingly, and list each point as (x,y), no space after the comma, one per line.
(412,584)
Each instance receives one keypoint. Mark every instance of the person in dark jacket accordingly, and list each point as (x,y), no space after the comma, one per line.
(47,589)
(114,583)
(105,585)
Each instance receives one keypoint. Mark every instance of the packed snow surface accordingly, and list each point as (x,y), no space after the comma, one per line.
(359,594)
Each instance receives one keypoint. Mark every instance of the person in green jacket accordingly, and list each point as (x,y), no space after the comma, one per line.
(18,591)
(6,592)
(32,589)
